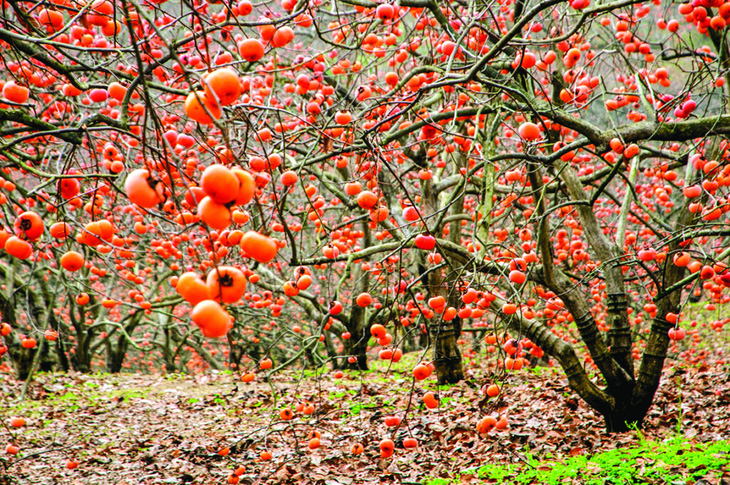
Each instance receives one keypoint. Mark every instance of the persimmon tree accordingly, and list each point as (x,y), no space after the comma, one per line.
(302,177)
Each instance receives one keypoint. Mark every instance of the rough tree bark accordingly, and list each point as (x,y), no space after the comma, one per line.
(447,358)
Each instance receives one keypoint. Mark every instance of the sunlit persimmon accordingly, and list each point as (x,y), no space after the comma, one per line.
(529,131)
(251,49)
(29,225)
(72,261)
(192,288)
(282,37)
(219,183)
(224,84)
(28,343)
(421,372)
(430,400)
(142,190)
(213,214)
(15,93)
(202,108)
(211,318)
(18,248)
(259,247)
(377,330)
(69,188)
(288,178)
(246,186)
(367,199)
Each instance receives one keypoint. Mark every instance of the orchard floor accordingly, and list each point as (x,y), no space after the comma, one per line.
(139,429)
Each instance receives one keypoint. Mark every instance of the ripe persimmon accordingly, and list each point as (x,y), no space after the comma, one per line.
(211,318)
(60,230)
(29,225)
(202,108)
(251,49)
(68,188)
(385,11)
(364,299)
(486,424)
(425,241)
(367,199)
(142,190)
(282,37)
(192,288)
(28,343)
(430,400)
(72,261)
(224,84)
(15,93)
(15,246)
(392,421)
(244,8)
(529,131)
(343,117)
(377,330)
(194,195)
(213,214)
(17,422)
(387,447)
(246,186)
(517,277)
(259,247)
(421,372)
(226,284)
(288,178)
(117,91)
(220,183)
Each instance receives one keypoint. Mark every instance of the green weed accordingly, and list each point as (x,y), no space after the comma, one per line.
(676,460)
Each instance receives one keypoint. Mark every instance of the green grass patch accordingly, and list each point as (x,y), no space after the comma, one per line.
(406,364)
(676,460)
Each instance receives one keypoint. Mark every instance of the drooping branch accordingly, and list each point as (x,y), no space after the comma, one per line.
(563,353)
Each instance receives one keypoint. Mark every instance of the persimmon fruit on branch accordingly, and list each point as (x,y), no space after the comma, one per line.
(195,184)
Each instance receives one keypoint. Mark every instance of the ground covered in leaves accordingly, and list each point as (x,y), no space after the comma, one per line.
(137,429)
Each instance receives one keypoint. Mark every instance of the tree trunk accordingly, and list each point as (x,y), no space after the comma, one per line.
(447,356)
(622,420)
(357,344)
(444,334)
